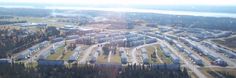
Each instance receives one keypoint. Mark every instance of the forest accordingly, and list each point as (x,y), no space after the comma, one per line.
(90,71)
(14,40)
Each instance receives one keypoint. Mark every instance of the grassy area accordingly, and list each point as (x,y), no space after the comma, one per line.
(31,64)
(56,55)
(115,58)
(165,59)
(102,59)
(67,55)
(150,50)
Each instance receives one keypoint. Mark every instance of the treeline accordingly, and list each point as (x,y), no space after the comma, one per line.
(6,17)
(25,12)
(16,40)
(11,22)
(186,21)
(220,23)
(89,71)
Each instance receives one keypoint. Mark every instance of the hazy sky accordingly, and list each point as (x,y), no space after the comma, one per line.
(127,2)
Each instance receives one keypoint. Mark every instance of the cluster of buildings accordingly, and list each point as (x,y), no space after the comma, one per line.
(204,51)
(70,37)
(117,39)
(45,54)
(190,54)
(168,53)
(29,52)
(219,49)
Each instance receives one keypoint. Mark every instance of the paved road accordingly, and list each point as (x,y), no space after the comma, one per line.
(109,57)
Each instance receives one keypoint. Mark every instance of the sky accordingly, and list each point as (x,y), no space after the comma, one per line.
(130,2)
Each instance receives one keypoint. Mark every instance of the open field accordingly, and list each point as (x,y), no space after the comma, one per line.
(115,58)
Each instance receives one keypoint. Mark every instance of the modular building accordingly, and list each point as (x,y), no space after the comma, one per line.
(75,55)
(130,35)
(174,59)
(220,62)
(143,51)
(160,36)
(150,40)
(179,47)
(171,36)
(202,50)
(165,50)
(114,34)
(215,59)
(57,39)
(72,37)
(223,34)
(94,57)
(119,37)
(168,39)
(134,38)
(121,50)
(188,52)
(100,36)
(24,55)
(194,38)
(101,40)
(196,59)
(119,42)
(136,43)
(44,55)
(228,53)
(124,58)
(145,59)
(27,53)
